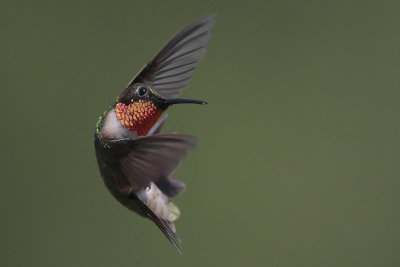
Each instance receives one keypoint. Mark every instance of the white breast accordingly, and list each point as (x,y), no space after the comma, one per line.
(112,128)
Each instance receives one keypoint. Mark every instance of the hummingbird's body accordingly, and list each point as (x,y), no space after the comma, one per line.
(134,159)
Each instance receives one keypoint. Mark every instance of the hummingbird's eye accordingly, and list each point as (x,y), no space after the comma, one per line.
(142,91)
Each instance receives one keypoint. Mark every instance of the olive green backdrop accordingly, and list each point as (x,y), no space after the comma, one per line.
(298,160)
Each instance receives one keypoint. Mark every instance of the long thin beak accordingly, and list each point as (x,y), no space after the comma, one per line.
(174,101)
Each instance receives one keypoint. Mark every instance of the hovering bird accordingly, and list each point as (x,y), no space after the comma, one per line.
(134,159)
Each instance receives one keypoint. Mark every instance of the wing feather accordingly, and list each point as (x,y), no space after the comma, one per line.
(148,158)
(171,69)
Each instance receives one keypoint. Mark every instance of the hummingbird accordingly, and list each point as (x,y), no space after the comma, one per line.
(135,160)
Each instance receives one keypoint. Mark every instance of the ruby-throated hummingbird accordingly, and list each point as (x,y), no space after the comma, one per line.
(134,159)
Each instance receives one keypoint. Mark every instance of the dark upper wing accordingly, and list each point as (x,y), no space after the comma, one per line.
(171,69)
(147,158)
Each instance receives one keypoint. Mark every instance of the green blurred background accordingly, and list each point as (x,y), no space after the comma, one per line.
(298,161)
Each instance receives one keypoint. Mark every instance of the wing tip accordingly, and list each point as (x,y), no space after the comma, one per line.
(210,18)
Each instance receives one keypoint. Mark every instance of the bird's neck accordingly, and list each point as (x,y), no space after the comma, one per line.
(110,128)
(138,116)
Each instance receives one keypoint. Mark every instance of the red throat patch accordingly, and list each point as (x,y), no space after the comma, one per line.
(138,116)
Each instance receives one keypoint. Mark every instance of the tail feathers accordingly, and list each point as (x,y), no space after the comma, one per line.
(166,227)
(172,235)
(168,230)
(170,186)
(171,226)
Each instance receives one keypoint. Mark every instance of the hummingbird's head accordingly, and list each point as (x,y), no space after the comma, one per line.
(140,106)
